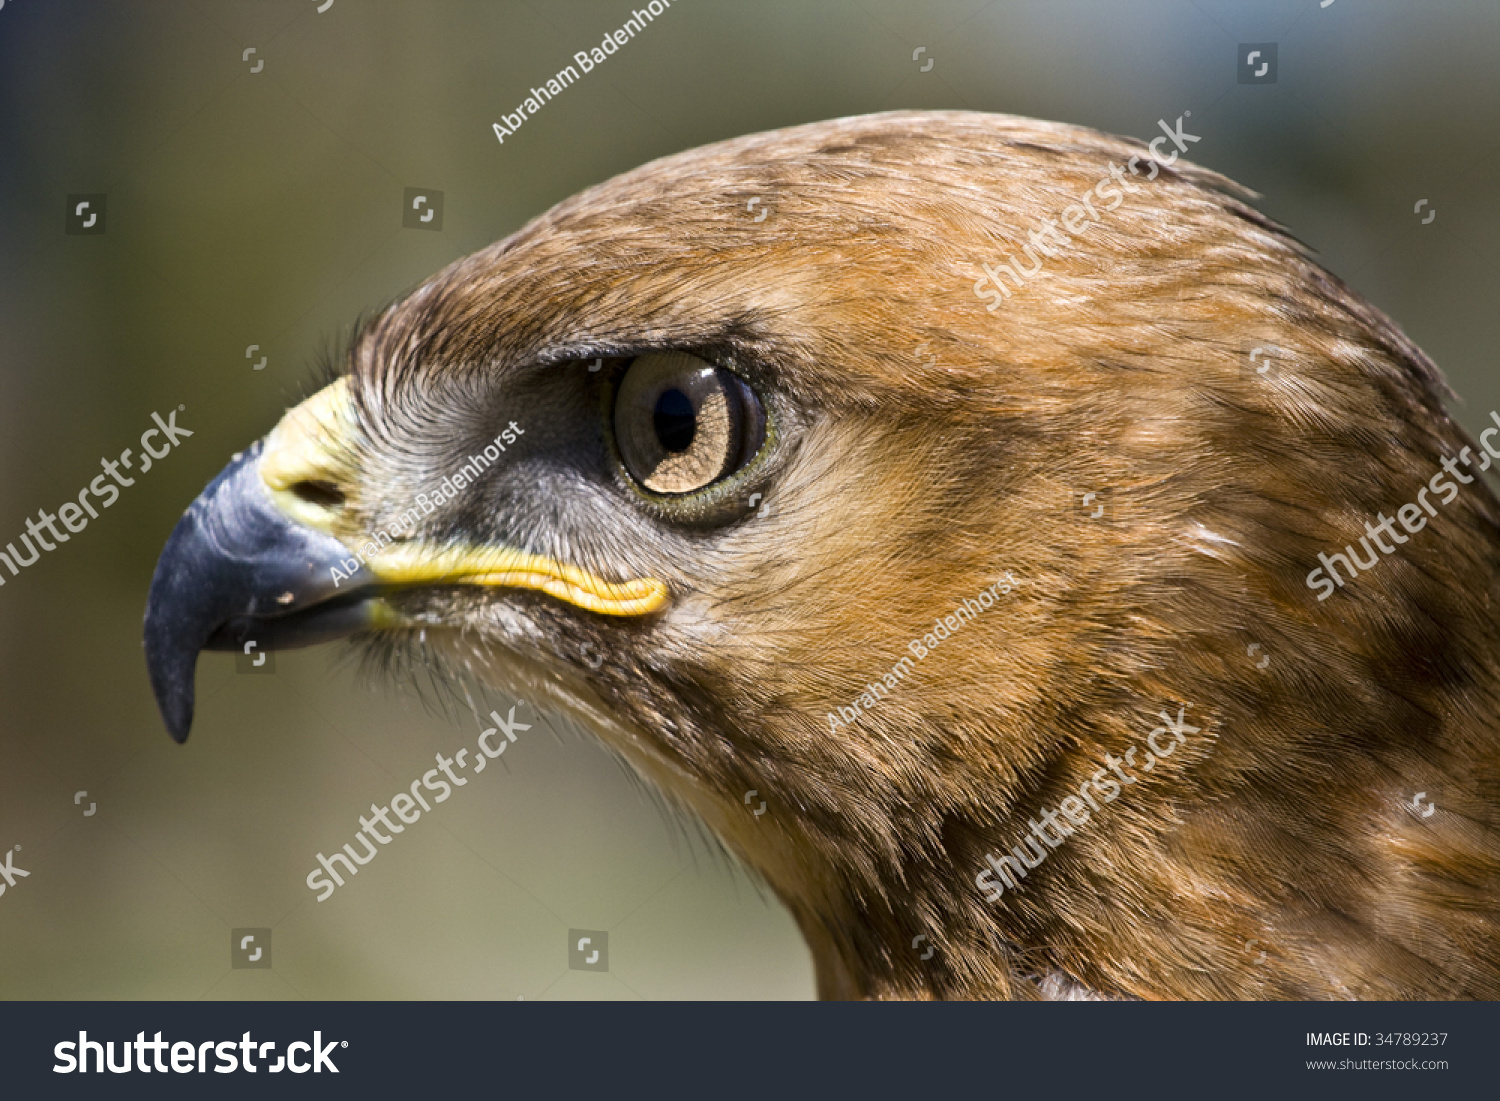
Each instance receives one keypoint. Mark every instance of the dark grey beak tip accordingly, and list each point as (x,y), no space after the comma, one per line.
(172,663)
(178,714)
(235,568)
(178,618)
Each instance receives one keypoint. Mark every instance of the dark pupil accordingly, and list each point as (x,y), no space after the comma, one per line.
(675,421)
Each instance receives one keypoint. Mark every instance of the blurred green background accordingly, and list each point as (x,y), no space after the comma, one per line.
(265,207)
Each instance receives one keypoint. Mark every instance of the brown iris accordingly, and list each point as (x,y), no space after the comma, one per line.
(682,424)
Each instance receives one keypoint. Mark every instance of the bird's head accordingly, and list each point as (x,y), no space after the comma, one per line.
(712,455)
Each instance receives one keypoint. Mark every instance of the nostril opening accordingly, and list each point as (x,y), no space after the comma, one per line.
(320,493)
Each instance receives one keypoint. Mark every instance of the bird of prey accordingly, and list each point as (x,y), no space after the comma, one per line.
(960,485)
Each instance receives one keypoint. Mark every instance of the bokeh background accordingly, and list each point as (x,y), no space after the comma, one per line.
(264,207)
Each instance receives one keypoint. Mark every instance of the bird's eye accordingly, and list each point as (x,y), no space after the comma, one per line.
(682,424)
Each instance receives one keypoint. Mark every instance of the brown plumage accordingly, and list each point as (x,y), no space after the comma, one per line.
(921,447)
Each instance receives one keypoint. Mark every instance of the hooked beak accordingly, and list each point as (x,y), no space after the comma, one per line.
(258,559)
(236,570)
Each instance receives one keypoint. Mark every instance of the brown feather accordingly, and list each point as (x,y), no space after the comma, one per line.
(912,477)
